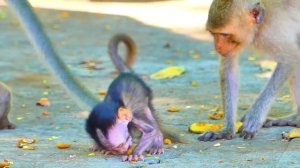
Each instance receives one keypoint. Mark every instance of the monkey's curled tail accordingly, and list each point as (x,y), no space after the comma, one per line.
(130,45)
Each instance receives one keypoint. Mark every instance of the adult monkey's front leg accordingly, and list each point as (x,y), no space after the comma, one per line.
(256,115)
(229,74)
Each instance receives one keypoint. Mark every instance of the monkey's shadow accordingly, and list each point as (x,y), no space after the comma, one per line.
(81,40)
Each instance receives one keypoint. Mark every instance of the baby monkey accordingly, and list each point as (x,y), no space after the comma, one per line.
(127,105)
(5,100)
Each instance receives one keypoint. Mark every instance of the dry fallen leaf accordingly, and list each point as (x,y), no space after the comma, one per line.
(241,147)
(28,147)
(133,162)
(173,109)
(168,73)
(63,145)
(238,124)
(4,164)
(64,14)
(102,92)
(262,158)
(43,102)
(45,113)
(217,145)
(167,141)
(91,64)
(92,154)
(194,83)
(201,127)
(293,133)
(19,118)
(217,115)
(25,143)
(52,138)
(267,65)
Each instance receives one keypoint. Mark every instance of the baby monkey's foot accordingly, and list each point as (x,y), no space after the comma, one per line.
(213,136)
(157,147)
(131,158)
(156,150)
(293,121)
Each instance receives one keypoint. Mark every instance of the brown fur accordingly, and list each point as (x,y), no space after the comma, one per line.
(219,14)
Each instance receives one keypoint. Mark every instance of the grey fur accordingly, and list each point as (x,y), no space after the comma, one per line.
(5,103)
(256,115)
(229,74)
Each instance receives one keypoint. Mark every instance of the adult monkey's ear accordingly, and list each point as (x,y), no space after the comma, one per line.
(257,13)
(124,114)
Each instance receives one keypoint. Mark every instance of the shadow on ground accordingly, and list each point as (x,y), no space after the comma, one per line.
(81,36)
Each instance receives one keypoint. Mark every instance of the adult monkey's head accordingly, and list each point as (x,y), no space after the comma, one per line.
(233,24)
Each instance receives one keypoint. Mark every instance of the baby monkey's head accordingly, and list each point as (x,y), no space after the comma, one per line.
(108,126)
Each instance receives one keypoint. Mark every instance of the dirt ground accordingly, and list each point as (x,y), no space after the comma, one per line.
(167,33)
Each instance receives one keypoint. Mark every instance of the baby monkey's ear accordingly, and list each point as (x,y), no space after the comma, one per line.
(124,114)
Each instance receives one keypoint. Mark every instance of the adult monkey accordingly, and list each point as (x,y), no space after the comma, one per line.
(271,28)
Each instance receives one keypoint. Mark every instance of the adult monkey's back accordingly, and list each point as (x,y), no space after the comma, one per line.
(272,27)
(51,59)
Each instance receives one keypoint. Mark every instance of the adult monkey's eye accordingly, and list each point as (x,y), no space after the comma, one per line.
(224,34)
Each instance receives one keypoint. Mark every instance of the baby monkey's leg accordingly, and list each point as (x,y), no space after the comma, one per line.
(157,145)
(149,134)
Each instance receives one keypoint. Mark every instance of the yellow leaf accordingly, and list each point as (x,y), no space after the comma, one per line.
(28,147)
(217,115)
(92,154)
(64,14)
(169,72)
(19,118)
(201,127)
(4,164)
(63,145)
(194,83)
(102,92)
(293,133)
(167,141)
(217,144)
(238,125)
(173,109)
